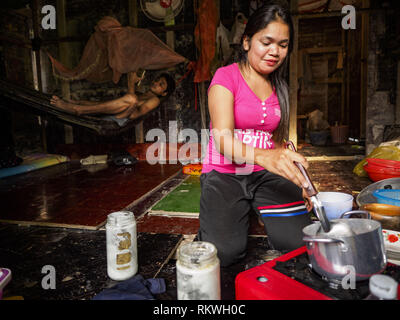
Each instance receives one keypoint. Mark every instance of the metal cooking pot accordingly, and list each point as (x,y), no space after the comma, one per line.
(351,245)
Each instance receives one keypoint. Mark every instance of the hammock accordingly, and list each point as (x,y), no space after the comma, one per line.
(13,97)
(111,51)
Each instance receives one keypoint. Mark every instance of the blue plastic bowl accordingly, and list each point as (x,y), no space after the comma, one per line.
(388,196)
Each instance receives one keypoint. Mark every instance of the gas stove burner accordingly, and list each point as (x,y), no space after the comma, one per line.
(332,283)
(290,277)
(271,255)
(336,284)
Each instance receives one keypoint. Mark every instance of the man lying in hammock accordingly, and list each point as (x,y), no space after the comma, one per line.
(130,106)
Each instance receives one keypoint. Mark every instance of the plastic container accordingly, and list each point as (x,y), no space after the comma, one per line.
(339,134)
(380,173)
(318,138)
(198,272)
(379,169)
(121,245)
(383,163)
(382,287)
(335,203)
(366,196)
(388,196)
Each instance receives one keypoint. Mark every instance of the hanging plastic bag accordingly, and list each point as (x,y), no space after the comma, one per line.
(223,42)
(238,28)
(223,50)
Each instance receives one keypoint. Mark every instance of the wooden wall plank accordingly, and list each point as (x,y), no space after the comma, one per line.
(293,77)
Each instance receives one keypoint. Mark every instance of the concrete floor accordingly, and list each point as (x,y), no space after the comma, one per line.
(79,255)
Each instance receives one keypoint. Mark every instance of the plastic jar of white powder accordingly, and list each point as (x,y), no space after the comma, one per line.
(198,272)
(121,245)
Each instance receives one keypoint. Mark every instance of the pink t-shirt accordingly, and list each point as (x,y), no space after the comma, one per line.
(255,120)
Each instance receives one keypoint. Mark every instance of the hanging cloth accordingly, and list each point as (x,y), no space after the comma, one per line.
(205,35)
(113,50)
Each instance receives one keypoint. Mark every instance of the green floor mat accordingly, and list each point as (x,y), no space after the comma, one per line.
(184,200)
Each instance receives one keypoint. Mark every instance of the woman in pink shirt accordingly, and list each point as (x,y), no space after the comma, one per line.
(246,167)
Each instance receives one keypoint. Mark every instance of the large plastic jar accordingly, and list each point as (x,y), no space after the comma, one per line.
(382,287)
(121,245)
(198,272)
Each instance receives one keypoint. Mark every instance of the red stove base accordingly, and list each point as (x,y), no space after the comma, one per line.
(264,283)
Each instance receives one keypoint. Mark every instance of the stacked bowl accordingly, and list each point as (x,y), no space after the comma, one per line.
(382,200)
(379,169)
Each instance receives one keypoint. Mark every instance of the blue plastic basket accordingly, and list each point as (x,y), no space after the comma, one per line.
(388,196)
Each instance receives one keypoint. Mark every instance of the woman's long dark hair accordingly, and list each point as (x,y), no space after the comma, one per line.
(270,12)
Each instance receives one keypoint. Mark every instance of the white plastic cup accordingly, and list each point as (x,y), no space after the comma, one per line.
(335,203)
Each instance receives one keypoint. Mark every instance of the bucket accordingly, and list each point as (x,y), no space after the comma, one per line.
(318,138)
(339,134)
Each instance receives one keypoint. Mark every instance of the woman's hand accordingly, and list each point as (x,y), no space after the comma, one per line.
(281,161)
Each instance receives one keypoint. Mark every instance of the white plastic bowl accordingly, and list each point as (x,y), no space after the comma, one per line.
(335,203)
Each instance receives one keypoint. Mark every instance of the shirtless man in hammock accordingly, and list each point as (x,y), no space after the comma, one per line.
(129,106)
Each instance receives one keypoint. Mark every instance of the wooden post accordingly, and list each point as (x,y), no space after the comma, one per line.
(170,38)
(293,81)
(133,22)
(348,78)
(133,10)
(217,4)
(64,58)
(36,65)
(398,94)
(343,107)
(63,46)
(364,67)
(36,34)
(203,107)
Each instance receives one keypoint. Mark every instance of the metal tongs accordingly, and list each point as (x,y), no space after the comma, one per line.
(312,193)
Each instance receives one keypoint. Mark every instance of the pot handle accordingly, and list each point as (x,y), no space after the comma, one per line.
(321,239)
(363,212)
